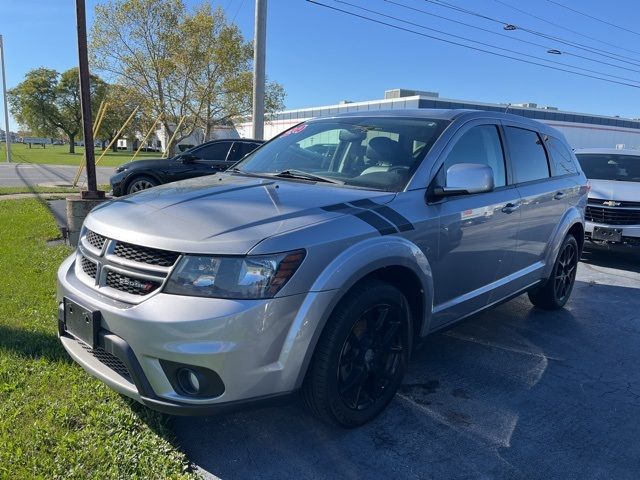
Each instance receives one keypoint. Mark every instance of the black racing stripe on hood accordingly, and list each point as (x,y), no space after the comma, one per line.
(380,224)
(222,190)
(401,223)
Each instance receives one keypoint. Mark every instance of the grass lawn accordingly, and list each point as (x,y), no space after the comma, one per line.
(59,155)
(55,420)
(39,189)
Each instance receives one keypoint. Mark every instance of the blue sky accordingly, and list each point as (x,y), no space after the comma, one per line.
(322,56)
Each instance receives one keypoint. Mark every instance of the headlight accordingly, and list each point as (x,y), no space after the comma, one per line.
(121,168)
(252,277)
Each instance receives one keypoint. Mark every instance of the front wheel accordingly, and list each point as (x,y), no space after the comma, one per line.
(361,356)
(555,292)
(142,182)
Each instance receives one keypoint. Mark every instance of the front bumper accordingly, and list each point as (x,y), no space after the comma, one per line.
(117,181)
(630,234)
(259,348)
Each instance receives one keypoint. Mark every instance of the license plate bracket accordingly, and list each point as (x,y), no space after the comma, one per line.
(607,234)
(81,322)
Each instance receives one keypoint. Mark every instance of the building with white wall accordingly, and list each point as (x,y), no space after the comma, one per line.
(582,130)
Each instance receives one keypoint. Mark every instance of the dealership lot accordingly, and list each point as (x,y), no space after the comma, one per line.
(512,393)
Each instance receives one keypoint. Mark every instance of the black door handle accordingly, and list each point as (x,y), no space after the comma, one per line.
(558,196)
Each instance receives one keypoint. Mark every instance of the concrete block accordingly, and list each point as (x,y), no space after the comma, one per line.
(77,210)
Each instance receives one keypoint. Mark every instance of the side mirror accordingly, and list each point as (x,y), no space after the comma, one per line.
(466,179)
(188,157)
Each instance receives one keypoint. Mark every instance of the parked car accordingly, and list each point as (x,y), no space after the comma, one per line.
(613,211)
(205,159)
(301,271)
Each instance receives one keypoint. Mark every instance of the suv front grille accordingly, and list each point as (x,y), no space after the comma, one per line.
(132,285)
(122,270)
(613,216)
(95,240)
(151,256)
(89,267)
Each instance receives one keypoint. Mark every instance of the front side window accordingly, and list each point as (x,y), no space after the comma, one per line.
(480,144)
(215,151)
(368,152)
(625,168)
(562,162)
(528,158)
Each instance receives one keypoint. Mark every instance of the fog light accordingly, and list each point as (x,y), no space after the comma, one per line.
(189,380)
(193,380)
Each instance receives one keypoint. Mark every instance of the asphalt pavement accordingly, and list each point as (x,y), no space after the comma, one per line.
(513,393)
(30,174)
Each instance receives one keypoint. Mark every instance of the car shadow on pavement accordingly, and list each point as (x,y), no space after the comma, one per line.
(515,392)
(619,259)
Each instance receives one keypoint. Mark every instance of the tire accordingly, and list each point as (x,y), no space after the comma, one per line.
(361,356)
(555,292)
(139,183)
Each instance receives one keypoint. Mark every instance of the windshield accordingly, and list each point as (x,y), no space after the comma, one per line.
(625,168)
(374,152)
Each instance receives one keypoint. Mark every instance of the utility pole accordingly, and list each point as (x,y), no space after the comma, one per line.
(7,130)
(259,47)
(85,102)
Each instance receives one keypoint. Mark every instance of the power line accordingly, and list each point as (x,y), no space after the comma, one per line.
(594,18)
(470,47)
(516,39)
(581,46)
(563,27)
(484,44)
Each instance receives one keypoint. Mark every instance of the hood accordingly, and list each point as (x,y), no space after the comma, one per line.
(147,163)
(615,190)
(220,214)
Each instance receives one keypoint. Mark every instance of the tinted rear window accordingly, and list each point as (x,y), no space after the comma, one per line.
(527,154)
(625,168)
(562,162)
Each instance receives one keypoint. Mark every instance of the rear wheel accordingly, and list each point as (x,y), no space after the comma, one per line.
(361,357)
(555,292)
(142,182)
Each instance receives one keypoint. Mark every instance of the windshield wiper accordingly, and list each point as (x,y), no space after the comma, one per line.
(248,174)
(293,173)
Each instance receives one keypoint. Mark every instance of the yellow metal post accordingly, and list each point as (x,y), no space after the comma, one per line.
(175,132)
(96,126)
(145,138)
(117,135)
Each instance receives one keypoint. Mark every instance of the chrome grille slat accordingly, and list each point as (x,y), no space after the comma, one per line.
(151,256)
(130,284)
(89,267)
(613,216)
(95,240)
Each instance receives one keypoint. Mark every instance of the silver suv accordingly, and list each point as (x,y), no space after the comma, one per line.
(613,212)
(315,269)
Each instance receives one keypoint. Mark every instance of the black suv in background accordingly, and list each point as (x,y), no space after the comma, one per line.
(204,159)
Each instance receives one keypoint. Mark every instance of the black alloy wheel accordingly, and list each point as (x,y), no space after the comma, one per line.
(370,356)
(565,273)
(361,356)
(554,293)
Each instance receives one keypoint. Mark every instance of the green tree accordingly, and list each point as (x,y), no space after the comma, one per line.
(120,104)
(48,102)
(178,63)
